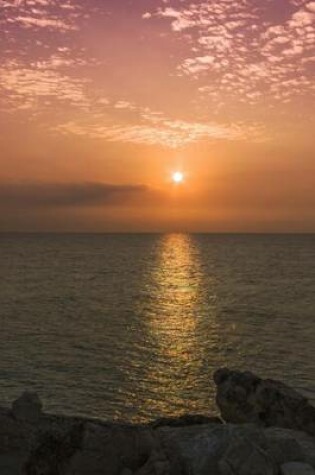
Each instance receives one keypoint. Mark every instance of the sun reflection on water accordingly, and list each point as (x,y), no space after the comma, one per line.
(171,320)
(176,289)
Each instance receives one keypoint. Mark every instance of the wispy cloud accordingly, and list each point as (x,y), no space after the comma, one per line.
(157,130)
(45,85)
(227,56)
(25,86)
(242,57)
(42,22)
(40,14)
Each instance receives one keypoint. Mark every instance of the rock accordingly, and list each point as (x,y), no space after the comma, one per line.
(27,407)
(284,446)
(243,397)
(248,454)
(112,448)
(234,449)
(156,465)
(296,468)
(196,450)
(100,452)
(14,435)
(290,446)
(185,420)
(126,471)
(33,443)
(53,454)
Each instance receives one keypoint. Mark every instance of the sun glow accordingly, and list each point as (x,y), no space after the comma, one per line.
(178,177)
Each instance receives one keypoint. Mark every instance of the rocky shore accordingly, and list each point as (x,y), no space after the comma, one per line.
(266,428)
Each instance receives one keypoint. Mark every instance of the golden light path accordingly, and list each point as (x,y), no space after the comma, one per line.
(172,320)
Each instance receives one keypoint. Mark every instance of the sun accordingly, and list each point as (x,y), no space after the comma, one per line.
(178,177)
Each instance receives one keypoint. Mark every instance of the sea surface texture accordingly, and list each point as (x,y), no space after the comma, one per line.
(132,326)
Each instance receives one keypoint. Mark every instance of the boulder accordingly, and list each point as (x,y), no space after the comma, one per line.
(243,397)
(195,450)
(243,458)
(126,471)
(33,443)
(228,449)
(114,448)
(248,454)
(296,468)
(156,465)
(291,446)
(27,407)
(15,435)
(53,454)
(185,420)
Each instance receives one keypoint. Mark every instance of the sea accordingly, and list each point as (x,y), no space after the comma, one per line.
(132,326)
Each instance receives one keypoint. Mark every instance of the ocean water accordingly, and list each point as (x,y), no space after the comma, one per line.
(132,326)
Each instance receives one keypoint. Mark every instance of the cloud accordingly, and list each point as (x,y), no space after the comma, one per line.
(34,195)
(56,24)
(25,85)
(224,54)
(181,20)
(160,131)
(243,54)
(41,14)
(124,105)
(44,84)
(197,65)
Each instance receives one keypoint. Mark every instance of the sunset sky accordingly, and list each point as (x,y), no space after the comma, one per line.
(102,100)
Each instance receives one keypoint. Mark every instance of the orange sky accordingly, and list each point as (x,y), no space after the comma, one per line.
(100,102)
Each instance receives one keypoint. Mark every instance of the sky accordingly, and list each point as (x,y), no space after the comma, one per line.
(101,101)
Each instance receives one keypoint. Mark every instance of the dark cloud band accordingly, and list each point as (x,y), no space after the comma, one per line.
(64,195)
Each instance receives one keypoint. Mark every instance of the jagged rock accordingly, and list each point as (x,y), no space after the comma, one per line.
(27,407)
(126,471)
(156,465)
(248,454)
(32,443)
(14,435)
(100,452)
(296,468)
(185,420)
(53,454)
(235,449)
(287,445)
(284,445)
(112,448)
(196,450)
(243,397)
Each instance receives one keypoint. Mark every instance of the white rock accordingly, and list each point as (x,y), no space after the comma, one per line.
(296,468)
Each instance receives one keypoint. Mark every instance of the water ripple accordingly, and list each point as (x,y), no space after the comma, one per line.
(133,326)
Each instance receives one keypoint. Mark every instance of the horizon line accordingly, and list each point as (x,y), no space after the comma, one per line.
(214,233)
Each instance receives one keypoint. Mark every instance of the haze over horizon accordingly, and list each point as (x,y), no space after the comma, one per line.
(101,102)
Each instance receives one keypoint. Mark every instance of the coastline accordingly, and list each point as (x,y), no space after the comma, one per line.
(266,428)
